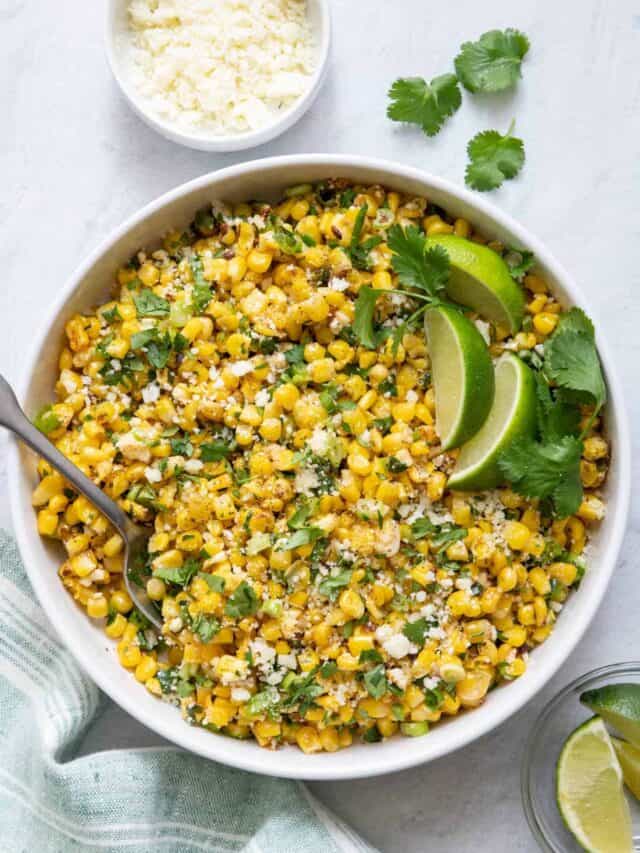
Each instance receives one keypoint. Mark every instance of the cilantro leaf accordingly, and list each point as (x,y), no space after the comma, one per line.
(493,159)
(376,682)
(428,105)
(556,417)
(149,304)
(416,266)
(519,261)
(302,515)
(302,536)
(416,631)
(180,576)
(330,585)
(156,345)
(201,294)
(571,358)
(216,582)
(446,534)
(205,627)
(422,527)
(546,469)
(367,333)
(493,63)
(243,602)
(214,451)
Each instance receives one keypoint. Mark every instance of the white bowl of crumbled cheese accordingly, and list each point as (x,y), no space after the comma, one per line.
(219,75)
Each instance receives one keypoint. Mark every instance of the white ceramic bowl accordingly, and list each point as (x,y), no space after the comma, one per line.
(115,34)
(90,284)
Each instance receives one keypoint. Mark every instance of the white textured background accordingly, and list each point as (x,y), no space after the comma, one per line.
(74,162)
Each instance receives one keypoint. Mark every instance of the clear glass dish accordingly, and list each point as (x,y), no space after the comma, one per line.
(556,722)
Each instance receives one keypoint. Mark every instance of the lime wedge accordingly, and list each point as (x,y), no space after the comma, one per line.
(618,705)
(462,374)
(512,416)
(629,758)
(481,280)
(589,791)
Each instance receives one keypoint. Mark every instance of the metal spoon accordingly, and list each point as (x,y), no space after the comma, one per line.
(135,537)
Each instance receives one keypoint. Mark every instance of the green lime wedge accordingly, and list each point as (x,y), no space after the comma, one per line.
(462,374)
(481,280)
(618,705)
(512,416)
(629,758)
(589,791)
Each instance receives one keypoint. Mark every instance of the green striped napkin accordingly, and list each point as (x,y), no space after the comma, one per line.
(153,799)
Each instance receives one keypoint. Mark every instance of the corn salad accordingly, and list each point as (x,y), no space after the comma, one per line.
(317,581)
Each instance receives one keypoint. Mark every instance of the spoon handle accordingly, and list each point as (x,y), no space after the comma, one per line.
(14,419)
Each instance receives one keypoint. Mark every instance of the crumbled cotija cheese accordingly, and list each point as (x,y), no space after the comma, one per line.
(227,66)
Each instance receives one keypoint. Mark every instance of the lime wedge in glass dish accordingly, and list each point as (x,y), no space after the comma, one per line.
(589,791)
(629,759)
(512,416)
(481,280)
(462,374)
(619,706)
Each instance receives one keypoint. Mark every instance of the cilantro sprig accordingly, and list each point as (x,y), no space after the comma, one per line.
(428,105)
(493,63)
(424,273)
(493,158)
(548,467)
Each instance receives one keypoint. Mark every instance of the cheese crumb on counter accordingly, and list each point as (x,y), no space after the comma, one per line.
(221,66)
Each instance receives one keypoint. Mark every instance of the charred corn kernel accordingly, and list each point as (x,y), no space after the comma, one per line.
(539,581)
(329,739)
(566,573)
(516,636)
(544,323)
(97,606)
(116,627)
(129,654)
(47,522)
(347,662)
(156,589)
(472,689)
(591,509)
(146,669)
(516,535)
(47,488)
(308,739)
(508,578)
(351,604)
(595,448)
(121,601)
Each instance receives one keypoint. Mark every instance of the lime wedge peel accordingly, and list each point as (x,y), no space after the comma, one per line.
(480,279)
(512,416)
(589,791)
(619,706)
(629,759)
(462,371)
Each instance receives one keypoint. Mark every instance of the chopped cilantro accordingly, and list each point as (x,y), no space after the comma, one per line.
(243,602)
(149,304)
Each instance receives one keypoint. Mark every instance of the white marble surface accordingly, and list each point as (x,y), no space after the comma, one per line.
(74,162)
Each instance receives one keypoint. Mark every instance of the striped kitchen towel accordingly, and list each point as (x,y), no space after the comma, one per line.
(152,799)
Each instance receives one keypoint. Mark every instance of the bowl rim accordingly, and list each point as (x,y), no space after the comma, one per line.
(536,825)
(512,699)
(219,143)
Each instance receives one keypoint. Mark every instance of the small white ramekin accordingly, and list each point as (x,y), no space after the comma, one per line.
(115,29)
